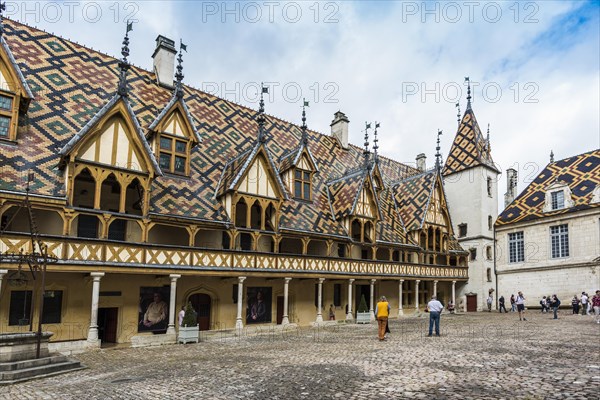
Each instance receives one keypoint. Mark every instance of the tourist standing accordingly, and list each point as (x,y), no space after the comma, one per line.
(501,302)
(512,303)
(596,304)
(520,302)
(331,313)
(435,309)
(575,305)
(382,311)
(489,302)
(555,303)
(544,303)
(181,315)
(584,303)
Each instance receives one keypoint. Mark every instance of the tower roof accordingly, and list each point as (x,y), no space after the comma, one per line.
(469,148)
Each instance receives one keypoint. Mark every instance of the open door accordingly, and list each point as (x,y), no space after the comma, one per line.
(279,309)
(201,303)
(107,324)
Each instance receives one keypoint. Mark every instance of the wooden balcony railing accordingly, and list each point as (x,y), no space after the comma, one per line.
(77,251)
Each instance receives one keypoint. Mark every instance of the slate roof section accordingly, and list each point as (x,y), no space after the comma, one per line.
(469,148)
(581,173)
(412,197)
(187,113)
(292,158)
(16,68)
(344,191)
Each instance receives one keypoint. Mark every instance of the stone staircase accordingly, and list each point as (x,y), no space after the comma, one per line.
(19,371)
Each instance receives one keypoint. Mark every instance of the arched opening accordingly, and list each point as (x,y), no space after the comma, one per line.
(169,235)
(134,198)
(369,232)
(445,243)
(48,222)
(317,248)
(86,226)
(290,246)
(430,235)
(265,244)
(339,250)
(256,216)
(84,188)
(366,253)
(440,259)
(241,214)
(110,194)
(397,256)
(201,303)
(210,239)
(270,218)
(438,239)
(383,254)
(117,230)
(453,261)
(356,230)
(244,242)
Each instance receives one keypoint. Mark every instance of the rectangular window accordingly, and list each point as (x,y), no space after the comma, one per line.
(4,126)
(473,253)
(337,295)
(488,252)
(559,236)
(302,183)
(6,103)
(165,143)
(87,226)
(516,247)
(558,200)
(489,187)
(20,307)
(165,161)
(173,154)
(462,230)
(489,274)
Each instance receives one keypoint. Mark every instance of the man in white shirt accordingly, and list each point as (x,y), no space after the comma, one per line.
(584,303)
(520,302)
(435,309)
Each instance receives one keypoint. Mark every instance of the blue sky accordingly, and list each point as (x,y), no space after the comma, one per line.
(535,64)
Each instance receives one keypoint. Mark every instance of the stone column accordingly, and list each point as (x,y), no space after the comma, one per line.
(93,329)
(400,310)
(320,301)
(285,320)
(349,315)
(417,294)
(2,273)
(435,288)
(454,294)
(239,323)
(172,302)
(372,293)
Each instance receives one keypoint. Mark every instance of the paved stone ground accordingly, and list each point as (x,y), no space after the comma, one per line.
(478,356)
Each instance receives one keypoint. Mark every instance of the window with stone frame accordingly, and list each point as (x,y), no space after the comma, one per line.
(488,252)
(302,184)
(173,153)
(489,187)
(490,222)
(473,254)
(557,200)
(489,274)
(559,239)
(462,230)
(516,247)
(7,114)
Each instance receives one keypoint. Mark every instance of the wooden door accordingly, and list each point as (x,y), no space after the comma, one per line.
(279,309)
(107,324)
(201,303)
(471,303)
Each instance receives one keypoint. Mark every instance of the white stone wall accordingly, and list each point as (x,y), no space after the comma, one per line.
(541,275)
(469,203)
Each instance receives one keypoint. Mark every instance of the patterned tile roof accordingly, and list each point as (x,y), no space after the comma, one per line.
(469,148)
(174,100)
(581,173)
(412,198)
(292,158)
(22,80)
(344,191)
(72,84)
(390,229)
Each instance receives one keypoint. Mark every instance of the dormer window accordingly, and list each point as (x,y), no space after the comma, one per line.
(7,117)
(174,154)
(302,184)
(558,200)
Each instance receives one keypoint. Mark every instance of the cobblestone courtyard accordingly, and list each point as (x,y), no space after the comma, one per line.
(481,355)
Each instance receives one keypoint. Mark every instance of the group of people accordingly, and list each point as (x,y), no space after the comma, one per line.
(588,306)
(550,302)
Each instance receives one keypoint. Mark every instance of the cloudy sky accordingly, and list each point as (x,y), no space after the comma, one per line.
(534,65)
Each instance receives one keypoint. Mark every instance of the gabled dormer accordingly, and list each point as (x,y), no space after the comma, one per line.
(558,197)
(15,94)
(173,135)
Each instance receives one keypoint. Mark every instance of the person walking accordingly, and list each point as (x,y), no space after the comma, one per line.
(512,303)
(490,300)
(584,303)
(382,312)
(575,305)
(555,303)
(501,304)
(520,302)
(435,309)
(596,304)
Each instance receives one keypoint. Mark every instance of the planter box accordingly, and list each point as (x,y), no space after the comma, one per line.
(188,334)
(363,317)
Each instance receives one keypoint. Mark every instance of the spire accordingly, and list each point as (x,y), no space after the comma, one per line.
(458,113)
(376,141)
(304,134)
(366,150)
(468,92)
(124,64)
(179,74)
(2,8)
(487,140)
(551,156)
(438,156)
(261,114)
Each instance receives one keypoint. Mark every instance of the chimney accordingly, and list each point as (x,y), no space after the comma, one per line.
(511,186)
(164,61)
(421,161)
(339,128)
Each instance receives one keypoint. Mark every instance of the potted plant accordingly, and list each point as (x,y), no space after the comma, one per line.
(363,316)
(188,331)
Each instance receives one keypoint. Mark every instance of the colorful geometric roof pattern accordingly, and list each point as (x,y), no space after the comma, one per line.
(22,80)
(174,100)
(292,158)
(469,148)
(71,84)
(412,198)
(343,193)
(390,228)
(581,173)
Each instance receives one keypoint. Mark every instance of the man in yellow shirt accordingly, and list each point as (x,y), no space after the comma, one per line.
(382,312)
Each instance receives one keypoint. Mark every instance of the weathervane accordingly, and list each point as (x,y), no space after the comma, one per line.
(458,113)
(376,141)
(366,150)
(124,64)
(551,156)
(304,134)
(261,114)
(438,156)
(179,74)
(468,92)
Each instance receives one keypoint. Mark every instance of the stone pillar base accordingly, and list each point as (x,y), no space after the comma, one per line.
(93,343)
(400,313)
(285,321)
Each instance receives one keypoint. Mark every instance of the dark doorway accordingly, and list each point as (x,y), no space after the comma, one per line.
(201,303)
(279,309)
(471,302)
(362,290)
(107,324)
